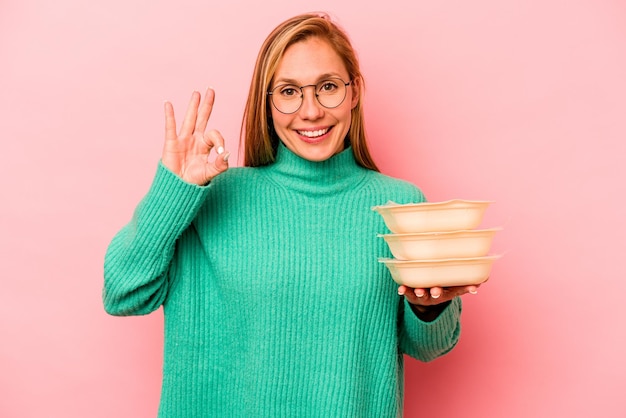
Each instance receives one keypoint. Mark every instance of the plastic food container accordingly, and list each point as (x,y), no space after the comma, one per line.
(451,215)
(438,245)
(443,273)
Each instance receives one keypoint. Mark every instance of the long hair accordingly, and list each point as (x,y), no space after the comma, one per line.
(257,129)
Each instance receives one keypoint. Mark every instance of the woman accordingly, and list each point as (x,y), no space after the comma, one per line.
(274,301)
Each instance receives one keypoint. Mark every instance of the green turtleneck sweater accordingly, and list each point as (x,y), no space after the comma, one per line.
(274,301)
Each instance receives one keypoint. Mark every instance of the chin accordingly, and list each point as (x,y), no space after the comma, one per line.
(319,153)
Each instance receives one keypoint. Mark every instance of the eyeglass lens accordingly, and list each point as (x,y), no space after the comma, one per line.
(330,93)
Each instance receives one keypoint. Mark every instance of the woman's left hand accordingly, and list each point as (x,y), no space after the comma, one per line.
(434,295)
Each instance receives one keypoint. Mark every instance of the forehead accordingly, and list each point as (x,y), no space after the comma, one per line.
(308,61)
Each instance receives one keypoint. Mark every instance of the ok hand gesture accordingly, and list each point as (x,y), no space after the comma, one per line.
(187,153)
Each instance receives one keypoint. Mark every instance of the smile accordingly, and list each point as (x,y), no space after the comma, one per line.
(313,134)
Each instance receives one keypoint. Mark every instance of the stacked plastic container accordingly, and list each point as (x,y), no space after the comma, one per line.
(437,244)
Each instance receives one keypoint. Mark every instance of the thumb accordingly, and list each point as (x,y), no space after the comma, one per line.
(221,162)
(218,166)
(214,140)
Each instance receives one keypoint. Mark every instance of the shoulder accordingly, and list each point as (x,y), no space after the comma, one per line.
(233,184)
(397,190)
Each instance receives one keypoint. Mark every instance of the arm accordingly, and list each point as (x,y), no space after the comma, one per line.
(435,313)
(424,340)
(138,258)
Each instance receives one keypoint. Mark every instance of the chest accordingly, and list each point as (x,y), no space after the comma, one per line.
(281,245)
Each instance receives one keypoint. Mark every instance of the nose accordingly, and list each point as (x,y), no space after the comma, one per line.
(310,109)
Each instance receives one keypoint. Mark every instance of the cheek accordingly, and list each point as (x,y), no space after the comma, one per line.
(278,120)
(347,115)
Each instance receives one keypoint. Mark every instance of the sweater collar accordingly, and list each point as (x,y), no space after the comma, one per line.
(339,172)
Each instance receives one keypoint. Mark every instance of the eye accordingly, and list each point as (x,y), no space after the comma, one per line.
(288,91)
(328,86)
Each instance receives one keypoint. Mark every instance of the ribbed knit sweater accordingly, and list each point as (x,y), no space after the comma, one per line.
(275,304)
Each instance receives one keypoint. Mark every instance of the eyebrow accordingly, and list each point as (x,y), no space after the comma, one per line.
(324,76)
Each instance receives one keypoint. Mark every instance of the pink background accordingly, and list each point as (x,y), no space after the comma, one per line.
(517,101)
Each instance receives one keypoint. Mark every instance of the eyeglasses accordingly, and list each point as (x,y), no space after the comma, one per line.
(330,93)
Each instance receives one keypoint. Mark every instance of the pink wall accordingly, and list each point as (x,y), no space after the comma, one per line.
(519,101)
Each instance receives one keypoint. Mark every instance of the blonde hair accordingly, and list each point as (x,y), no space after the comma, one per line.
(257,130)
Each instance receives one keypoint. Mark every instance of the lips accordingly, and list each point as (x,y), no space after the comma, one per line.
(313,134)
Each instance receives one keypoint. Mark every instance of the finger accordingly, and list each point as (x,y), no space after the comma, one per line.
(436,292)
(214,168)
(408,294)
(215,139)
(414,296)
(205,110)
(170,122)
(402,290)
(472,289)
(221,162)
(190,117)
(212,139)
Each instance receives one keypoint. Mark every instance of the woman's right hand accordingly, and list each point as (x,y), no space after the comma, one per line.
(187,153)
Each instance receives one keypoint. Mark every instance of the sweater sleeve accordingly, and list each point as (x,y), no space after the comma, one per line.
(137,259)
(425,341)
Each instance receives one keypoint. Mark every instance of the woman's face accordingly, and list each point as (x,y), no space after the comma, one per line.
(313,132)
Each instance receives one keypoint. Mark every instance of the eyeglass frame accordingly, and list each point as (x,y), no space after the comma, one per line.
(301,88)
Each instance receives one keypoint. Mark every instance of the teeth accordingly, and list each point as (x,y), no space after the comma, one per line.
(313,134)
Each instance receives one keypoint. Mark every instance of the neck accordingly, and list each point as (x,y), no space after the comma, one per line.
(339,172)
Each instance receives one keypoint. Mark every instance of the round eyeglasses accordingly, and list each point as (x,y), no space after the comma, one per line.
(330,93)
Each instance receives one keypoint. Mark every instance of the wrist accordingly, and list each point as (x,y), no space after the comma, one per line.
(428,313)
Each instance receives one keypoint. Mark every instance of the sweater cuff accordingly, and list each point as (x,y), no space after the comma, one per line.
(437,332)
(169,206)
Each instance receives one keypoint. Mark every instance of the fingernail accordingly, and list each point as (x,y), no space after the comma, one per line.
(225,157)
(435,296)
(400,291)
(474,292)
(419,294)
(220,150)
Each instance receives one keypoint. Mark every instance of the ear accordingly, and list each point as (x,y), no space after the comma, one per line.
(356,92)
